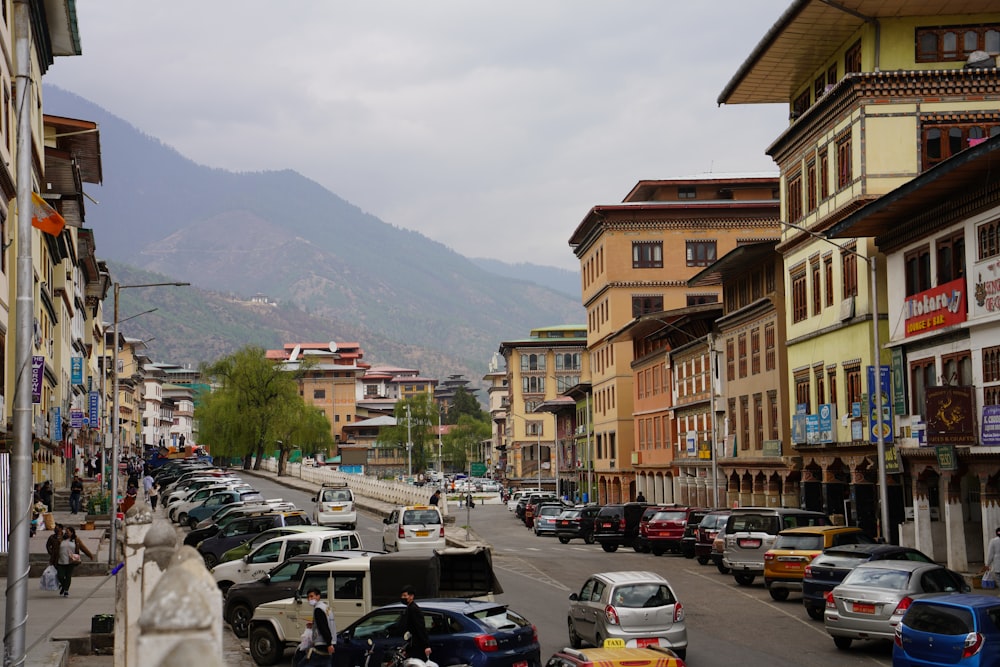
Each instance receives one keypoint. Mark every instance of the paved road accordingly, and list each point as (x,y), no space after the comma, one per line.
(727,624)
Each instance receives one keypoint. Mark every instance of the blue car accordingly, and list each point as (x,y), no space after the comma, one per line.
(961,629)
(471,632)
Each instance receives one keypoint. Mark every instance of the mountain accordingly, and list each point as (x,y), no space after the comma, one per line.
(561,280)
(408,300)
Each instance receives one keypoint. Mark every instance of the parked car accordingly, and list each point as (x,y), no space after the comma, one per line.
(221,499)
(243,529)
(751,531)
(830,567)
(516,496)
(640,608)
(413,527)
(665,529)
(785,562)
(613,655)
(281,582)
(179,511)
(708,531)
(532,504)
(690,538)
(545,518)
(618,525)
(940,631)
(243,549)
(874,596)
(261,560)
(577,522)
(334,506)
(467,632)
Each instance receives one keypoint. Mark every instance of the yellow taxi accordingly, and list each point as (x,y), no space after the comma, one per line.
(613,653)
(794,548)
(414,527)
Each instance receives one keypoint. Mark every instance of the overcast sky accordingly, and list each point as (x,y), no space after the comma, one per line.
(491,127)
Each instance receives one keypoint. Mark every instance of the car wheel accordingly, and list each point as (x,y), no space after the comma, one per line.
(722,568)
(702,560)
(224,586)
(182,517)
(588,538)
(778,594)
(843,643)
(563,540)
(239,619)
(192,523)
(211,560)
(610,548)
(574,639)
(657,551)
(815,613)
(264,645)
(744,579)
(681,652)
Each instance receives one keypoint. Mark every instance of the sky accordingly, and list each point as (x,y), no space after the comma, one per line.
(491,127)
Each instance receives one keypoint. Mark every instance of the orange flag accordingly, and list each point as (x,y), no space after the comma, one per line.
(44,217)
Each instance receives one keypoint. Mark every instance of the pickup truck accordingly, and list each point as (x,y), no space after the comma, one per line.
(355,586)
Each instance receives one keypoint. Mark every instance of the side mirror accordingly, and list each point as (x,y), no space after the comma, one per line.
(572,596)
(246,559)
(316,499)
(266,578)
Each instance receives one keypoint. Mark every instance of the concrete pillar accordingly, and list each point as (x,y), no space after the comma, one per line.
(922,535)
(990,502)
(128,598)
(957,558)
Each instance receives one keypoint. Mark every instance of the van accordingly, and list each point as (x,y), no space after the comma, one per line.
(751,531)
(333,505)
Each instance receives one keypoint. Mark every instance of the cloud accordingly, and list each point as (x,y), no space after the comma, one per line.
(491,127)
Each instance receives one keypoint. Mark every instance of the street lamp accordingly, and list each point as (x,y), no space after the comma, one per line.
(113,544)
(883,492)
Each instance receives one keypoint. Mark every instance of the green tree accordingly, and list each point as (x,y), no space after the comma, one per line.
(301,426)
(250,400)
(463,403)
(423,418)
(463,438)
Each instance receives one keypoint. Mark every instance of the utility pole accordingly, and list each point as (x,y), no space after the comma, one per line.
(409,443)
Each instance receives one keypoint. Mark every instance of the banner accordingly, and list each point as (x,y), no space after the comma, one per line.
(991,426)
(37,369)
(76,370)
(936,308)
(874,422)
(94,406)
(57,424)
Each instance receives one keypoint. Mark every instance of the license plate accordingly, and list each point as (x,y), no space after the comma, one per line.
(749,543)
(862,608)
(422,533)
(647,641)
(521,663)
(605,525)
(335,508)
(564,523)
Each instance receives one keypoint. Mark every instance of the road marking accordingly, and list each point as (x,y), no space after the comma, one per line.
(519,566)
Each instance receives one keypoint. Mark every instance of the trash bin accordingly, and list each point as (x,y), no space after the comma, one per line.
(50,521)
(102,624)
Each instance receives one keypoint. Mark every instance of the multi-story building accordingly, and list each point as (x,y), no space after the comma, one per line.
(636,258)
(877,94)
(541,367)
(182,423)
(497,395)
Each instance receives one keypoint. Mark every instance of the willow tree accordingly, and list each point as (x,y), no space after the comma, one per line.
(463,438)
(250,397)
(302,426)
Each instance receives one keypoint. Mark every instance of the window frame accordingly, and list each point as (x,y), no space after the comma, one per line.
(647,254)
(694,256)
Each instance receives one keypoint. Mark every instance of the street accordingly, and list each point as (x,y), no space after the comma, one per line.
(727,624)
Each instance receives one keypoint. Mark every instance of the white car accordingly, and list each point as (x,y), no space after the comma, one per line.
(178,512)
(334,506)
(412,528)
(262,560)
(517,495)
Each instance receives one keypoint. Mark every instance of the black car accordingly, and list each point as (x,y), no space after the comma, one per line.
(691,532)
(281,582)
(709,527)
(577,522)
(618,525)
(829,568)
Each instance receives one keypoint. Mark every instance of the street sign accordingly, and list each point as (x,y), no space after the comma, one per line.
(477,469)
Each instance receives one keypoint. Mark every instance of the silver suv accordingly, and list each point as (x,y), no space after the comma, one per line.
(637,607)
(751,531)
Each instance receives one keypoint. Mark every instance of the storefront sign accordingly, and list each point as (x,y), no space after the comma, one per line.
(827,414)
(892,466)
(812,429)
(936,308)
(949,415)
(946,457)
(76,418)
(94,407)
(991,426)
(898,382)
(986,293)
(798,429)
(37,368)
(772,448)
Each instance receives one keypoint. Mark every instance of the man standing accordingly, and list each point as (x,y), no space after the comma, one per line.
(436,497)
(992,564)
(413,622)
(324,636)
(75,494)
(52,544)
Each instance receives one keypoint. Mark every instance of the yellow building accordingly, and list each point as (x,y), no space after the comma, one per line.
(636,258)
(877,92)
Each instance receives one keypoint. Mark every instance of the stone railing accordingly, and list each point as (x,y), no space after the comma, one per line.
(168,611)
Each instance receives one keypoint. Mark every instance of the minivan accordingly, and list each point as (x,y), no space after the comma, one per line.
(751,531)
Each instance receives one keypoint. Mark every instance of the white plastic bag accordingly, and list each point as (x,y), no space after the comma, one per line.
(50,581)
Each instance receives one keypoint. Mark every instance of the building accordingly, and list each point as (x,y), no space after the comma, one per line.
(636,258)
(497,395)
(877,93)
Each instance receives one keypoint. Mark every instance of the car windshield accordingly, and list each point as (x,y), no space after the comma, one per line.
(570,514)
(638,596)
(421,516)
(878,578)
(714,521)
(799,542)
(549,510)
(670,516)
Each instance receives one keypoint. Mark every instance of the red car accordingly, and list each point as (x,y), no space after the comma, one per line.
(664,529)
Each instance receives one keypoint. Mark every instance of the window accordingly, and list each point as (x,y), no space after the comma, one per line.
(744,422)
(828,270)
(817,288)
(533,428)
(700,253)
(568,361)
(831,75)
(802,391)
(957,369)
(795,196)
(955,43)
(811,202)
(769,351)
(565,382)
(699,299)
(991,373)
(533,385)
(799,295)
(950,258)
(686,192)
(641,305)
(772,409)
(319,393)
(849,270)
(730,360)
(831,381)
(852,376)
(755,352)
(824,174)
(852,58)
(819,85)
(532,362)
(988,239)
(820,387)
(758,421)
(918,270)
(923,374)
(845,167)
(801,104)
(647,255)
(742,346)
(941,140)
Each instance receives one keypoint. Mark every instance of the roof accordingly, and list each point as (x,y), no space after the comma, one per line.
(671,321)
(809,32)
(939,186)
(734,262)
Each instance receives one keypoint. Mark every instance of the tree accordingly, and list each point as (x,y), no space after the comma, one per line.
(423,417)
(301,426)
(251,397)
(463,403)
(465,437)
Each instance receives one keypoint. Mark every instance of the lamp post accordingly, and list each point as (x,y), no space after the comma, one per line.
(440,449)
(113,543)
(883,492)
(409,444)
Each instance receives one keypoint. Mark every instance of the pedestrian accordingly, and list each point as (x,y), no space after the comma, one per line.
(75,494)
(301,654)
(324,631)
(992,564)
(69,558)
(413,622)
(469,501)
(640,498)
(436,497)
(45,493)
(52,544)
(154,494)
(147,483)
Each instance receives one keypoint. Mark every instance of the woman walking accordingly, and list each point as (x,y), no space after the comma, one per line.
(153,495)
(69,557)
